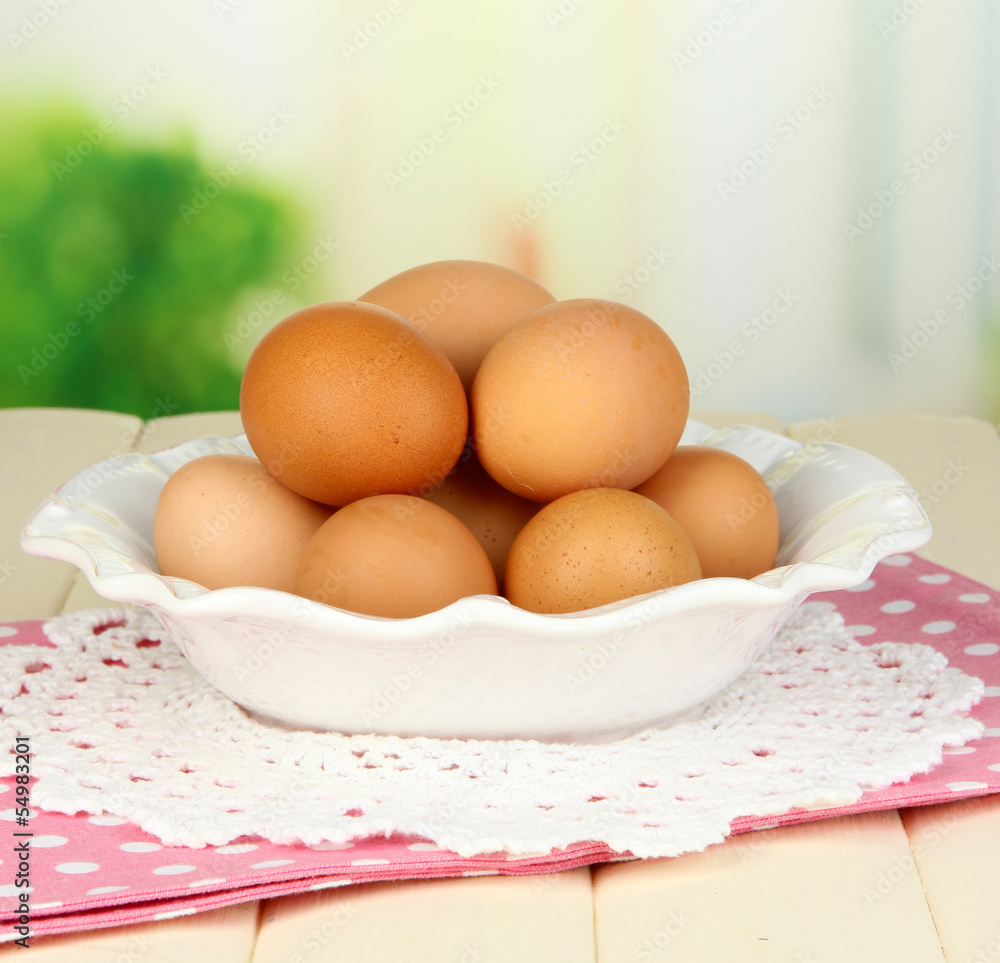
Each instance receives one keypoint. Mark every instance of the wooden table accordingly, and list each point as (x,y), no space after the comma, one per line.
(791,894)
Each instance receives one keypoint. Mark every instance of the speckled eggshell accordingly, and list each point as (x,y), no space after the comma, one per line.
(395,556)
(724,505)
(343,400)
(593,547)
(580,394)
(462,306)
(222,520)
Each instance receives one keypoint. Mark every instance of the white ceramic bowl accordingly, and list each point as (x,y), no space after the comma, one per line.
(482,668)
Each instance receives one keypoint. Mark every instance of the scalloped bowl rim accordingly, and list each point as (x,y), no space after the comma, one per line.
(774,588)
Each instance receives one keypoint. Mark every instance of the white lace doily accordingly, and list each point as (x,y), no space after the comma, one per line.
(120,723)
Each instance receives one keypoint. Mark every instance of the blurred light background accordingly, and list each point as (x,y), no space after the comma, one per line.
(805,196)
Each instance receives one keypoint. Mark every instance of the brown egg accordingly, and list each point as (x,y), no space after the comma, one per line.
(462,306)
(596,546)
(343,400)
(222,520)
(724,505)
(397,556)
(493,514)
(580,394)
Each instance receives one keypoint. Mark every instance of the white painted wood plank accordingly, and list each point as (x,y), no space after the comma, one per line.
(792,894)
(547,919)
(156,435)
(957,852)
(220,936)
(41,448)
(954,464)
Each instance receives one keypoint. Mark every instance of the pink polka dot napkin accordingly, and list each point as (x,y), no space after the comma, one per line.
(97,871)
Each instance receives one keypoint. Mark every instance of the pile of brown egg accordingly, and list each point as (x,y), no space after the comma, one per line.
(455,431)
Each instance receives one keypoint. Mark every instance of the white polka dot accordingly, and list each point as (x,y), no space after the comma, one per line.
(961,786)
(208,882)
(172,913)
(106,819)
(39,906)
(11,814)
(868,583)
(937,628)
(330,883)
(236,848)
(46,841)
(271,863)
(4,787)
(861,629)
(6,631)
(174,869)
(12,890)
(77,869)
(326,844)
(958,750)
(101,890)
(994,766)
(991,733)
(976,598)
(897,561)
(992,690)
(898,607)
(424,847)
(369,862)
(938,578)
(983,648)
(140,847)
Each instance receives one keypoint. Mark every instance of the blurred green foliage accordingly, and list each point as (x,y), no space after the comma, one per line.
(122,264)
